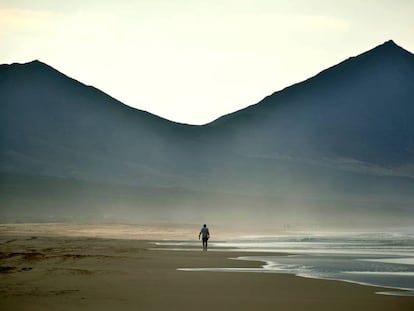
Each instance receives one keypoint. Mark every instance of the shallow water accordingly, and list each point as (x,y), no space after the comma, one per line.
(384,260)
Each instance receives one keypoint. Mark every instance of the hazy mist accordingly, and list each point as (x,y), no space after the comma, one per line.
(335,151)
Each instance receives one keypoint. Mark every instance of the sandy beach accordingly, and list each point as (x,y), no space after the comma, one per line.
(41,272)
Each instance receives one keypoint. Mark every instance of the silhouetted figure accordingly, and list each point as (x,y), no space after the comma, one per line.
(206,235)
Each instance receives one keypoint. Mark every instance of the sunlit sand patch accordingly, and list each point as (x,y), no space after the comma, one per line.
(115,231)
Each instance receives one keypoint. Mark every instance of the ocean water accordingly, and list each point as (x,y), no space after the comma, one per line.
(377,259)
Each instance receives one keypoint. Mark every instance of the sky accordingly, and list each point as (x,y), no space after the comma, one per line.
(193,61)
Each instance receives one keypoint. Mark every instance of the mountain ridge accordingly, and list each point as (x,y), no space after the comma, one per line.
(387,47)
(37,65)
(363,93)
(336,145)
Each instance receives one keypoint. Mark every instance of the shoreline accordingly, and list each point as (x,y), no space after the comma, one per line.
(85,273)
(395,291)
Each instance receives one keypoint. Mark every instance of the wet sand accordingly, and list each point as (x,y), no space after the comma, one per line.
(81,273)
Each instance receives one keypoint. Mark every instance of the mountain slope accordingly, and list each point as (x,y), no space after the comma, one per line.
(335,149)
(51,124)
(360,109)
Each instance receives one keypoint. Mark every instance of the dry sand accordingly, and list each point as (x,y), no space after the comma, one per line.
(80,273)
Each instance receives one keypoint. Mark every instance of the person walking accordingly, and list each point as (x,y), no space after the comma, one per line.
(206,235)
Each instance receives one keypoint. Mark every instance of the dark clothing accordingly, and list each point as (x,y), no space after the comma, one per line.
(205,234)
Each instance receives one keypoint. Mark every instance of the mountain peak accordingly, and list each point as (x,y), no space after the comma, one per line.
(386,55)
(390,45)
(35,61)
(373,66)
(34,65)
(388,48)
(389,42)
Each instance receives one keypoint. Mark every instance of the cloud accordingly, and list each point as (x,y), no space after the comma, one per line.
(316,23)
(21,20)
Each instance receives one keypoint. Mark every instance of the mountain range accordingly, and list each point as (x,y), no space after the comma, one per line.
(334,150)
